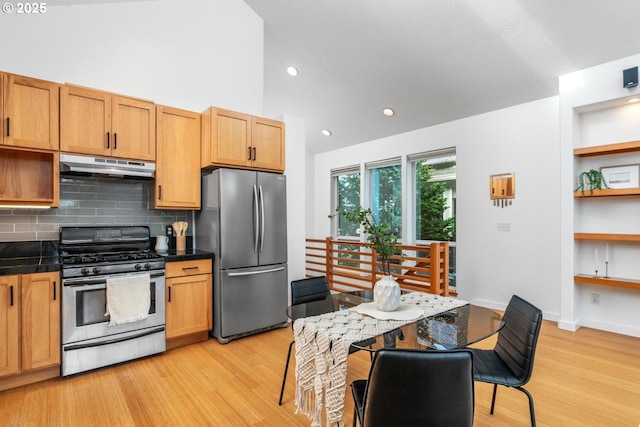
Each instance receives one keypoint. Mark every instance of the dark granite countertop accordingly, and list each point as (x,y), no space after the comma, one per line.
(28,257)
(186,255)
(42,256)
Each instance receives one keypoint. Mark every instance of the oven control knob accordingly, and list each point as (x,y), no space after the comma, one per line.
(96,270)
(138,266)
(84,271)
(147,266)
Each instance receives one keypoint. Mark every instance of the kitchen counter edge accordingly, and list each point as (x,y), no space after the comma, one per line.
(190,254)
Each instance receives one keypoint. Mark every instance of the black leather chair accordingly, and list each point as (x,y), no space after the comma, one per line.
(408,387)
(510,363)
(302,291)
(308,290)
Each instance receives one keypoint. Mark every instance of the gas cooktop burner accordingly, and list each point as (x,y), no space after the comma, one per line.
(94,258)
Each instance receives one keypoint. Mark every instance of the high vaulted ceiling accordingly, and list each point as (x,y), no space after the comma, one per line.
(432,61)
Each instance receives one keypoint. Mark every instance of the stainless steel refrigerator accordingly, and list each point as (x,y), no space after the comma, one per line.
(243,222)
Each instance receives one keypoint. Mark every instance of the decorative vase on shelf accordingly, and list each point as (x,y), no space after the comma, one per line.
(386,294)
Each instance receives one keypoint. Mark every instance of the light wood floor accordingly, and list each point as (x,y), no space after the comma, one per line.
(587,378)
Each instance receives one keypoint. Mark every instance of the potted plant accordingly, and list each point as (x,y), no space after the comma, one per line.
(382,240)
(593,179)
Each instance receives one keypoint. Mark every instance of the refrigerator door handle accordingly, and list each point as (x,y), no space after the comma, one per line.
(256,232)
(261,220)
(250,273)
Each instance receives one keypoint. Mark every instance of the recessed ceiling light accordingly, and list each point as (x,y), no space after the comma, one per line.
(632,100)
(326,132)
(293,71)
(388,112)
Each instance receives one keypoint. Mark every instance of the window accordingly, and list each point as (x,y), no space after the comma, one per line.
(385,193)
(434,178)
(346,188)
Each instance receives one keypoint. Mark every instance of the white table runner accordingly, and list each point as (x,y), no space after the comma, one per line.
(322,347)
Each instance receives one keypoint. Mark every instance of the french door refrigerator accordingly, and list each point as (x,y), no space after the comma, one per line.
(243,222)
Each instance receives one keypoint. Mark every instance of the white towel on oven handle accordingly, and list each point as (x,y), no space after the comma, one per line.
(128,298)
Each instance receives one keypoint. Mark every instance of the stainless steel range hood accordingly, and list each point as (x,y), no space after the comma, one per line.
(75,164)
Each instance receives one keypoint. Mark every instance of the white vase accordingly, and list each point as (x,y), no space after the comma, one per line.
(386,294)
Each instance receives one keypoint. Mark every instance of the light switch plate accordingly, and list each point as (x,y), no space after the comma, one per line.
(504,226)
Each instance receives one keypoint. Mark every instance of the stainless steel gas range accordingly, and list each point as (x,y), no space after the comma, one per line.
(89,258)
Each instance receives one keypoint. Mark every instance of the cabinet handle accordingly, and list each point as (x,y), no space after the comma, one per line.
(11,295)
(54,290)
(249,154)
(169,293)
(254,153)
(160,192)
(108,139)
(115,141)
(190,268)
(8,127)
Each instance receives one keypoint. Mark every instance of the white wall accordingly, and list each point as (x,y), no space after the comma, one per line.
(593,111)
(296,191)
(188,54)
(491,265)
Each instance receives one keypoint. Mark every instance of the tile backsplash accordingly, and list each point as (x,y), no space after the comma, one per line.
(91,201)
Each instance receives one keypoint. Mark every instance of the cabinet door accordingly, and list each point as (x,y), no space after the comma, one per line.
(178,159)
(85,121)
(31,114)
(267,139)
(188,304)
(9,339)
(134,129)
(226,138)
(40,320)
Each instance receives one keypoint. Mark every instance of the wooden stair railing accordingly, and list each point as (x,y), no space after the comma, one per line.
(349,264)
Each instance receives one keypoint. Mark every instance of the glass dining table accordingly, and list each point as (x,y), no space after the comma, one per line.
(327,330)
(454,328)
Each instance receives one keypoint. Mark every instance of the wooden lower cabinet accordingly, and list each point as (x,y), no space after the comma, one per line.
(40,320)
(9,321)
(29,328)
(188,306)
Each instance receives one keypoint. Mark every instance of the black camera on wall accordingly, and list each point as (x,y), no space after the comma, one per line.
(630,77)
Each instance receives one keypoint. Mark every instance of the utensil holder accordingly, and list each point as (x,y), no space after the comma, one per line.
(181,243)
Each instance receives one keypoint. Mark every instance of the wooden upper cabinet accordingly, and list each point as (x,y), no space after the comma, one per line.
(29,177)
(133,123)
(30,112)
(85,121)
(226,138)
(267,140)
(101,124)
(177,181)
(240,140)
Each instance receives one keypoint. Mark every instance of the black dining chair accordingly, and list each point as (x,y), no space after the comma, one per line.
(510,363)
(303,291)
(409,387)
(309,290)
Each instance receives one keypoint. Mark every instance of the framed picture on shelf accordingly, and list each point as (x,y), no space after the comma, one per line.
(621,176)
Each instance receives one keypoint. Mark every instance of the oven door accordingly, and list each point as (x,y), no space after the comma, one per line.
(84,305)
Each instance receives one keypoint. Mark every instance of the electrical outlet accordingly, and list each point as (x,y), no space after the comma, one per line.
(504,226)
(595,298)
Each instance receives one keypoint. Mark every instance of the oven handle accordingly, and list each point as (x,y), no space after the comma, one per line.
(115,340)
(83,281)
